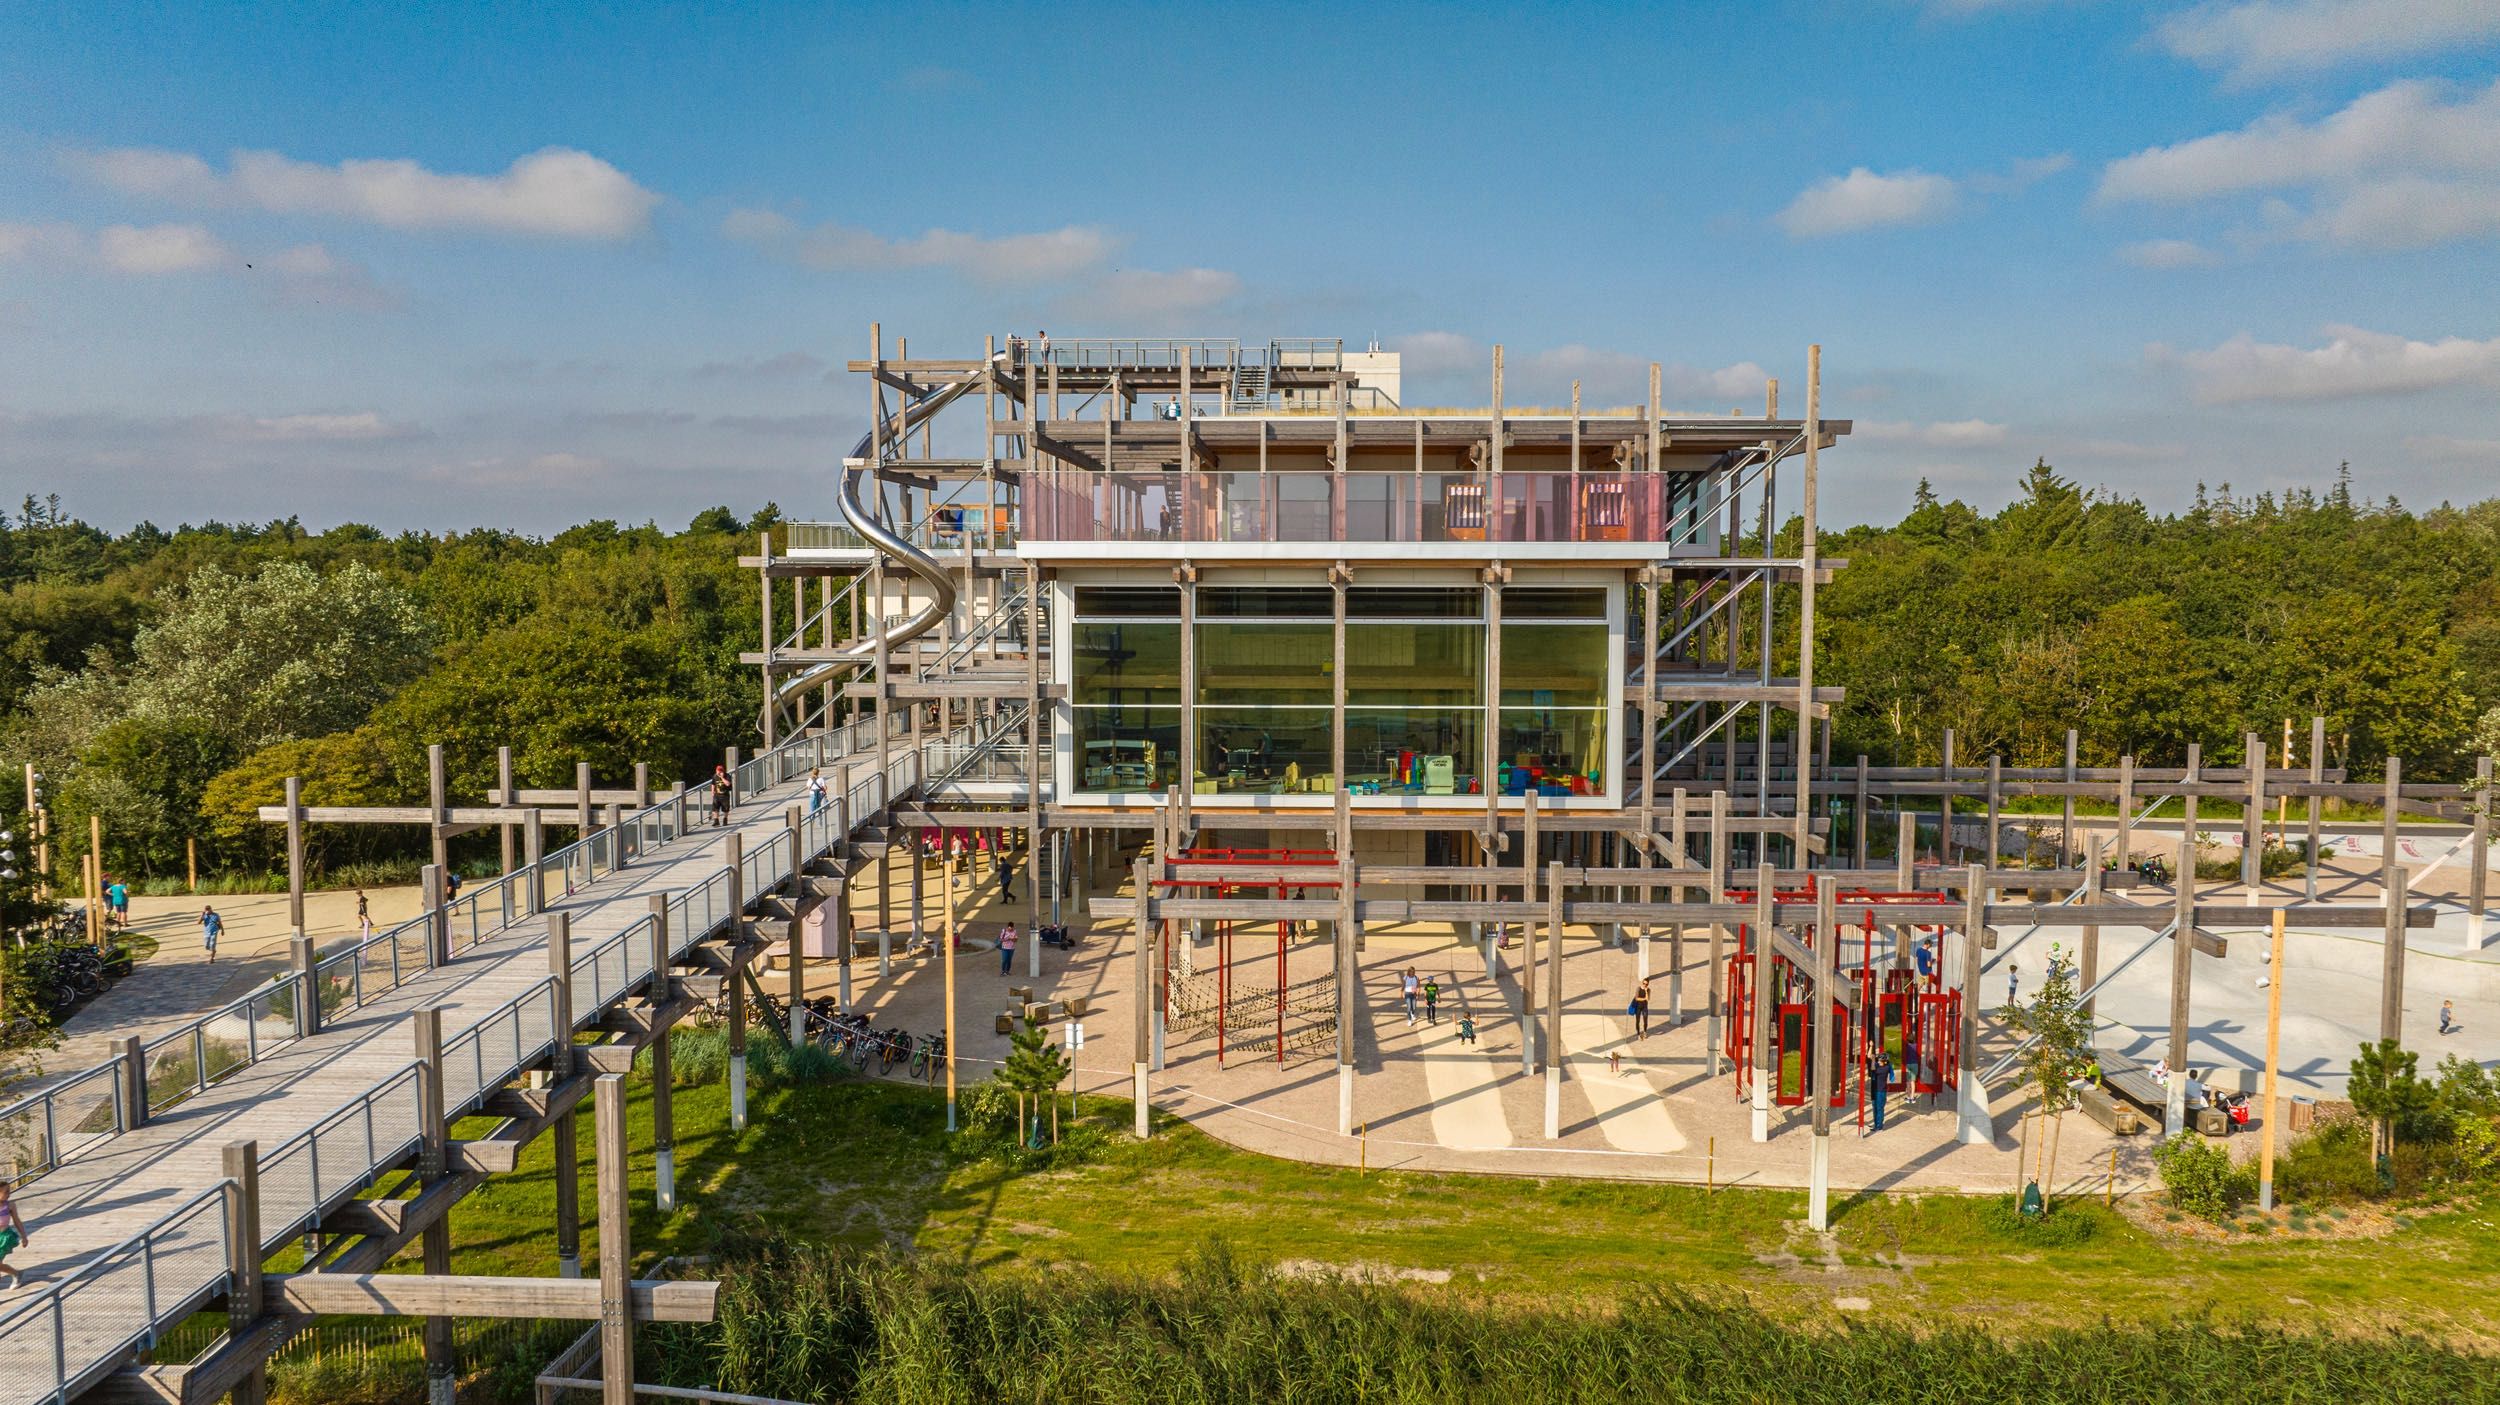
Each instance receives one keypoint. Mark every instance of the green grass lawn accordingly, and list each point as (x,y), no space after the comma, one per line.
(870,1163)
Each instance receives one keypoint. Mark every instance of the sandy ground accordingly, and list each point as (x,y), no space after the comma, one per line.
(179,982)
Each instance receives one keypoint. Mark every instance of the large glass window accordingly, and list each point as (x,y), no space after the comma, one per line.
(1124,689)
(1277,663)
(1553,737)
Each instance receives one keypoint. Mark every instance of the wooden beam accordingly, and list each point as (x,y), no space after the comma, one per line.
(427,1295)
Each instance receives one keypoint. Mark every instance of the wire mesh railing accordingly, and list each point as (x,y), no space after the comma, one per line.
(59,1342)
(41,1130)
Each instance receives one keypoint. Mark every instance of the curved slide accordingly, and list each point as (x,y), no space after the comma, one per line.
(882,536)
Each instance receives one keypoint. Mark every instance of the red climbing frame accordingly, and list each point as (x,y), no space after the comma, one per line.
(1225,888)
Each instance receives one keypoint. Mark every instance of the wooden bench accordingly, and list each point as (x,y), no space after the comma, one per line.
(2120,1118)
(2126,1078)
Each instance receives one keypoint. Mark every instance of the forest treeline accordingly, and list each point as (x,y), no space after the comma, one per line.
(170,680)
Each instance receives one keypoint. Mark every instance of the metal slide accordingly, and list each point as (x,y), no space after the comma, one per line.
(891,544)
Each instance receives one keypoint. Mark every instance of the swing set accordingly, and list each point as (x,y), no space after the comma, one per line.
(1915,1022)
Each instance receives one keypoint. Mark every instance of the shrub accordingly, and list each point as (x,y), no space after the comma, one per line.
(2201,1179)
(2329,1164)
(699,1056)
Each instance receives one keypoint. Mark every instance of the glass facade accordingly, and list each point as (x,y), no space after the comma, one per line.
(1124,689)
(1416,691)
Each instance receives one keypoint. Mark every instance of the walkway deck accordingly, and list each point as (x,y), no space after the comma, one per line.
(96,1203)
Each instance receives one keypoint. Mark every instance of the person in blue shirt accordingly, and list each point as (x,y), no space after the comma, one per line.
(1926,956)
(117,901)
(211,925)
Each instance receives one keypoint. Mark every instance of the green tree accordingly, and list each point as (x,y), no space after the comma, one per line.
(2059,1053)
(287,652)
(1034,1068)
(2387,1088)
(144,777)
(344,768)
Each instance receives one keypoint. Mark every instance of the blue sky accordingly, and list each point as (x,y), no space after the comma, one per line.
(439,266)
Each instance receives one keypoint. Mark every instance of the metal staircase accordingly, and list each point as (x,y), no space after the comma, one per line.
(1249,389)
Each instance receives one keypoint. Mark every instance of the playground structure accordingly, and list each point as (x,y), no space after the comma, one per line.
(1536,672)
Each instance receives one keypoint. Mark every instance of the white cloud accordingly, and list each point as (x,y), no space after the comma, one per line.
(788,365)
(1147,294)
(1439,353)
(2256,39)
(360,426)
(1046,256)
(2402,167)
(139,251)
(2440,448)
(1864,199)
(2021,175)
(557,193)
(2353,362)
(2167,253)
(1935,434)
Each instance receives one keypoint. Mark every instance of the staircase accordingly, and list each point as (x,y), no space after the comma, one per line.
(1249,389)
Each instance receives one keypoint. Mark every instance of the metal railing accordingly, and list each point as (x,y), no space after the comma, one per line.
(84,1325)
(1080,506)
(208,1049)
(75,1330)
(40,1131)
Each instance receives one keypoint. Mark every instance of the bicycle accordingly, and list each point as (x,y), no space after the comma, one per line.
(928,1057)
(893,1049)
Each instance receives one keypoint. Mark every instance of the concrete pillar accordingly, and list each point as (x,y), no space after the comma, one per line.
(244,1299)
(295,856)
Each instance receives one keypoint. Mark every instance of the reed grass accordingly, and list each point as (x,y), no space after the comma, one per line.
(816,1323)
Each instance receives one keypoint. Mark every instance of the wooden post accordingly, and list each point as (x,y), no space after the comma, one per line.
(438,923)
(1765,996)
(1553,1002)
(560,1064)
(795,823)
(2478,855)
(616,1304)
(134,1089)
(2274,1051)
(295,856)
(1718,934)
(1944,822)
(437,802)
(2317,774)
(663,1074)
(2090,971)
(191,863)
(2126,812)
(1826,1052)
(2253,822)
(585,818)
(734,987)
(2183,957)
(1142,1004)
(243,1298)
(533,854)
(1996,805)
(2066,834)
(1978,1122)
(302,959)
(946,891)
(1349,976)
(1531,991)
(1860,816)
(510,798)
(432,1152)
(1801,756)
(2391,1000)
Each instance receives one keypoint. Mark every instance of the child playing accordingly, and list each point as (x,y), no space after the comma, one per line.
(1466,1030)
(12,1232)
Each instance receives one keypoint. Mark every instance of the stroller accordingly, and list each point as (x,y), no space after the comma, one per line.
(1053,934)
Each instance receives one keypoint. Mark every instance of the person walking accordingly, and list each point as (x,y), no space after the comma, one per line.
(1432,1002)
(364,916)
(1640,1008)
(2447,1016)
(1006,874)
(2013,984)
(1881,1084)
(12,1231)
(1006,948)
(451,883)
(721,786)
(117,903)
(1409,987)
(815,790)
(211,927)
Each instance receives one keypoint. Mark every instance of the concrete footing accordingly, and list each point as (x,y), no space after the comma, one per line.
(737,1092)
